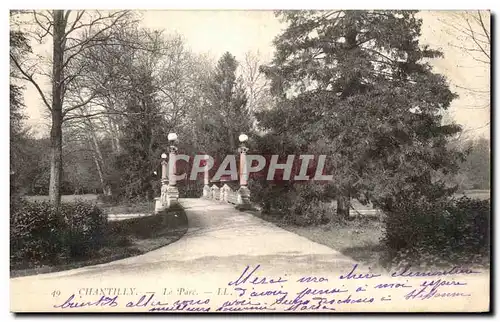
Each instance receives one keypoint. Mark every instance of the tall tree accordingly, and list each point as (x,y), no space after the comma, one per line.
(476,167)
(151,91)
(71,35)
(256,84)
(355,85)
(19,47)
(226,112)
(142,124)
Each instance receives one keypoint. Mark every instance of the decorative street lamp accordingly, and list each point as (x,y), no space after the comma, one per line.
(243,138)
(169,192)
(161,202)
(206,180)
(164,169)
(243,192)
(164,179)
(172,193)
(172,137)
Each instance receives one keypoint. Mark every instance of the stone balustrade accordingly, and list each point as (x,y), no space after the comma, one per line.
(232,191)
(225,191)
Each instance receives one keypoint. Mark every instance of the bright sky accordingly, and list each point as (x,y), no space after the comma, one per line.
(215,32)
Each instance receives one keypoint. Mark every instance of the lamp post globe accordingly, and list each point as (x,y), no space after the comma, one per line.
(163,155)
(172,136)
(243,138)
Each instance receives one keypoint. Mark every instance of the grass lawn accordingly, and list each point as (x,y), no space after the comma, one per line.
(124,238)
(358,239)
(133,208)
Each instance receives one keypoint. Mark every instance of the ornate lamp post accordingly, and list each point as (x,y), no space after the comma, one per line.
(160,203)
(164,178)
(206,181)
(243,192)
(172,193)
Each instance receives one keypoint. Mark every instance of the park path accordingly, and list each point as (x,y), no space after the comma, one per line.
(220,242)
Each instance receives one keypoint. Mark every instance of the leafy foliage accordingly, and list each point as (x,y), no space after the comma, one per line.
(35,232)
(225,114)
(19,46)
(39,235)
(86,228)
(476,167)
(357,86)
(143,124)
(82,235)
(148,97)
(448,231)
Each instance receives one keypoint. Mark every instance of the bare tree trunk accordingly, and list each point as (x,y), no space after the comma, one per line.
(194,130)
(105,189)
(113,134)
(57,117)
(232,144)
(116,136)
(98,159)
(117,143)
(114,129)
(343,205)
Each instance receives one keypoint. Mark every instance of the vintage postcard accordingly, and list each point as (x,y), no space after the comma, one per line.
(250,161)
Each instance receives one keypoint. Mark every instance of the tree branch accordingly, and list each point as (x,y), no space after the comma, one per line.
(475,40)
(77,106)
(42,26)
(32,81)
(73,117)
(73,27)
(94,39)
(486,33)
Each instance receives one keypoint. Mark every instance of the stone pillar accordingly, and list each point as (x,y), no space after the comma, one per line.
(164,180)
(206,191)
(164,169)
(222,194)
(243,191)
(227,189)
(161,202)
(215,192)
(172,191)
(206,182)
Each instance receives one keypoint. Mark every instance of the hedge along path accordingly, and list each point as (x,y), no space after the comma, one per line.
(126,237)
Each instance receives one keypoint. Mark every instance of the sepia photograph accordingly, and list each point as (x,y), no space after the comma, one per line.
(250,161)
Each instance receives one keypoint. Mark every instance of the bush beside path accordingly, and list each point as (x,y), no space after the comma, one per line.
(82,235)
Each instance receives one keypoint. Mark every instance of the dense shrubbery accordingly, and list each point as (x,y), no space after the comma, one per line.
(39,236)
(85,228)
(417,230)
(305,213)
(35,232)
(42,242)
(446,231)
(300,204)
